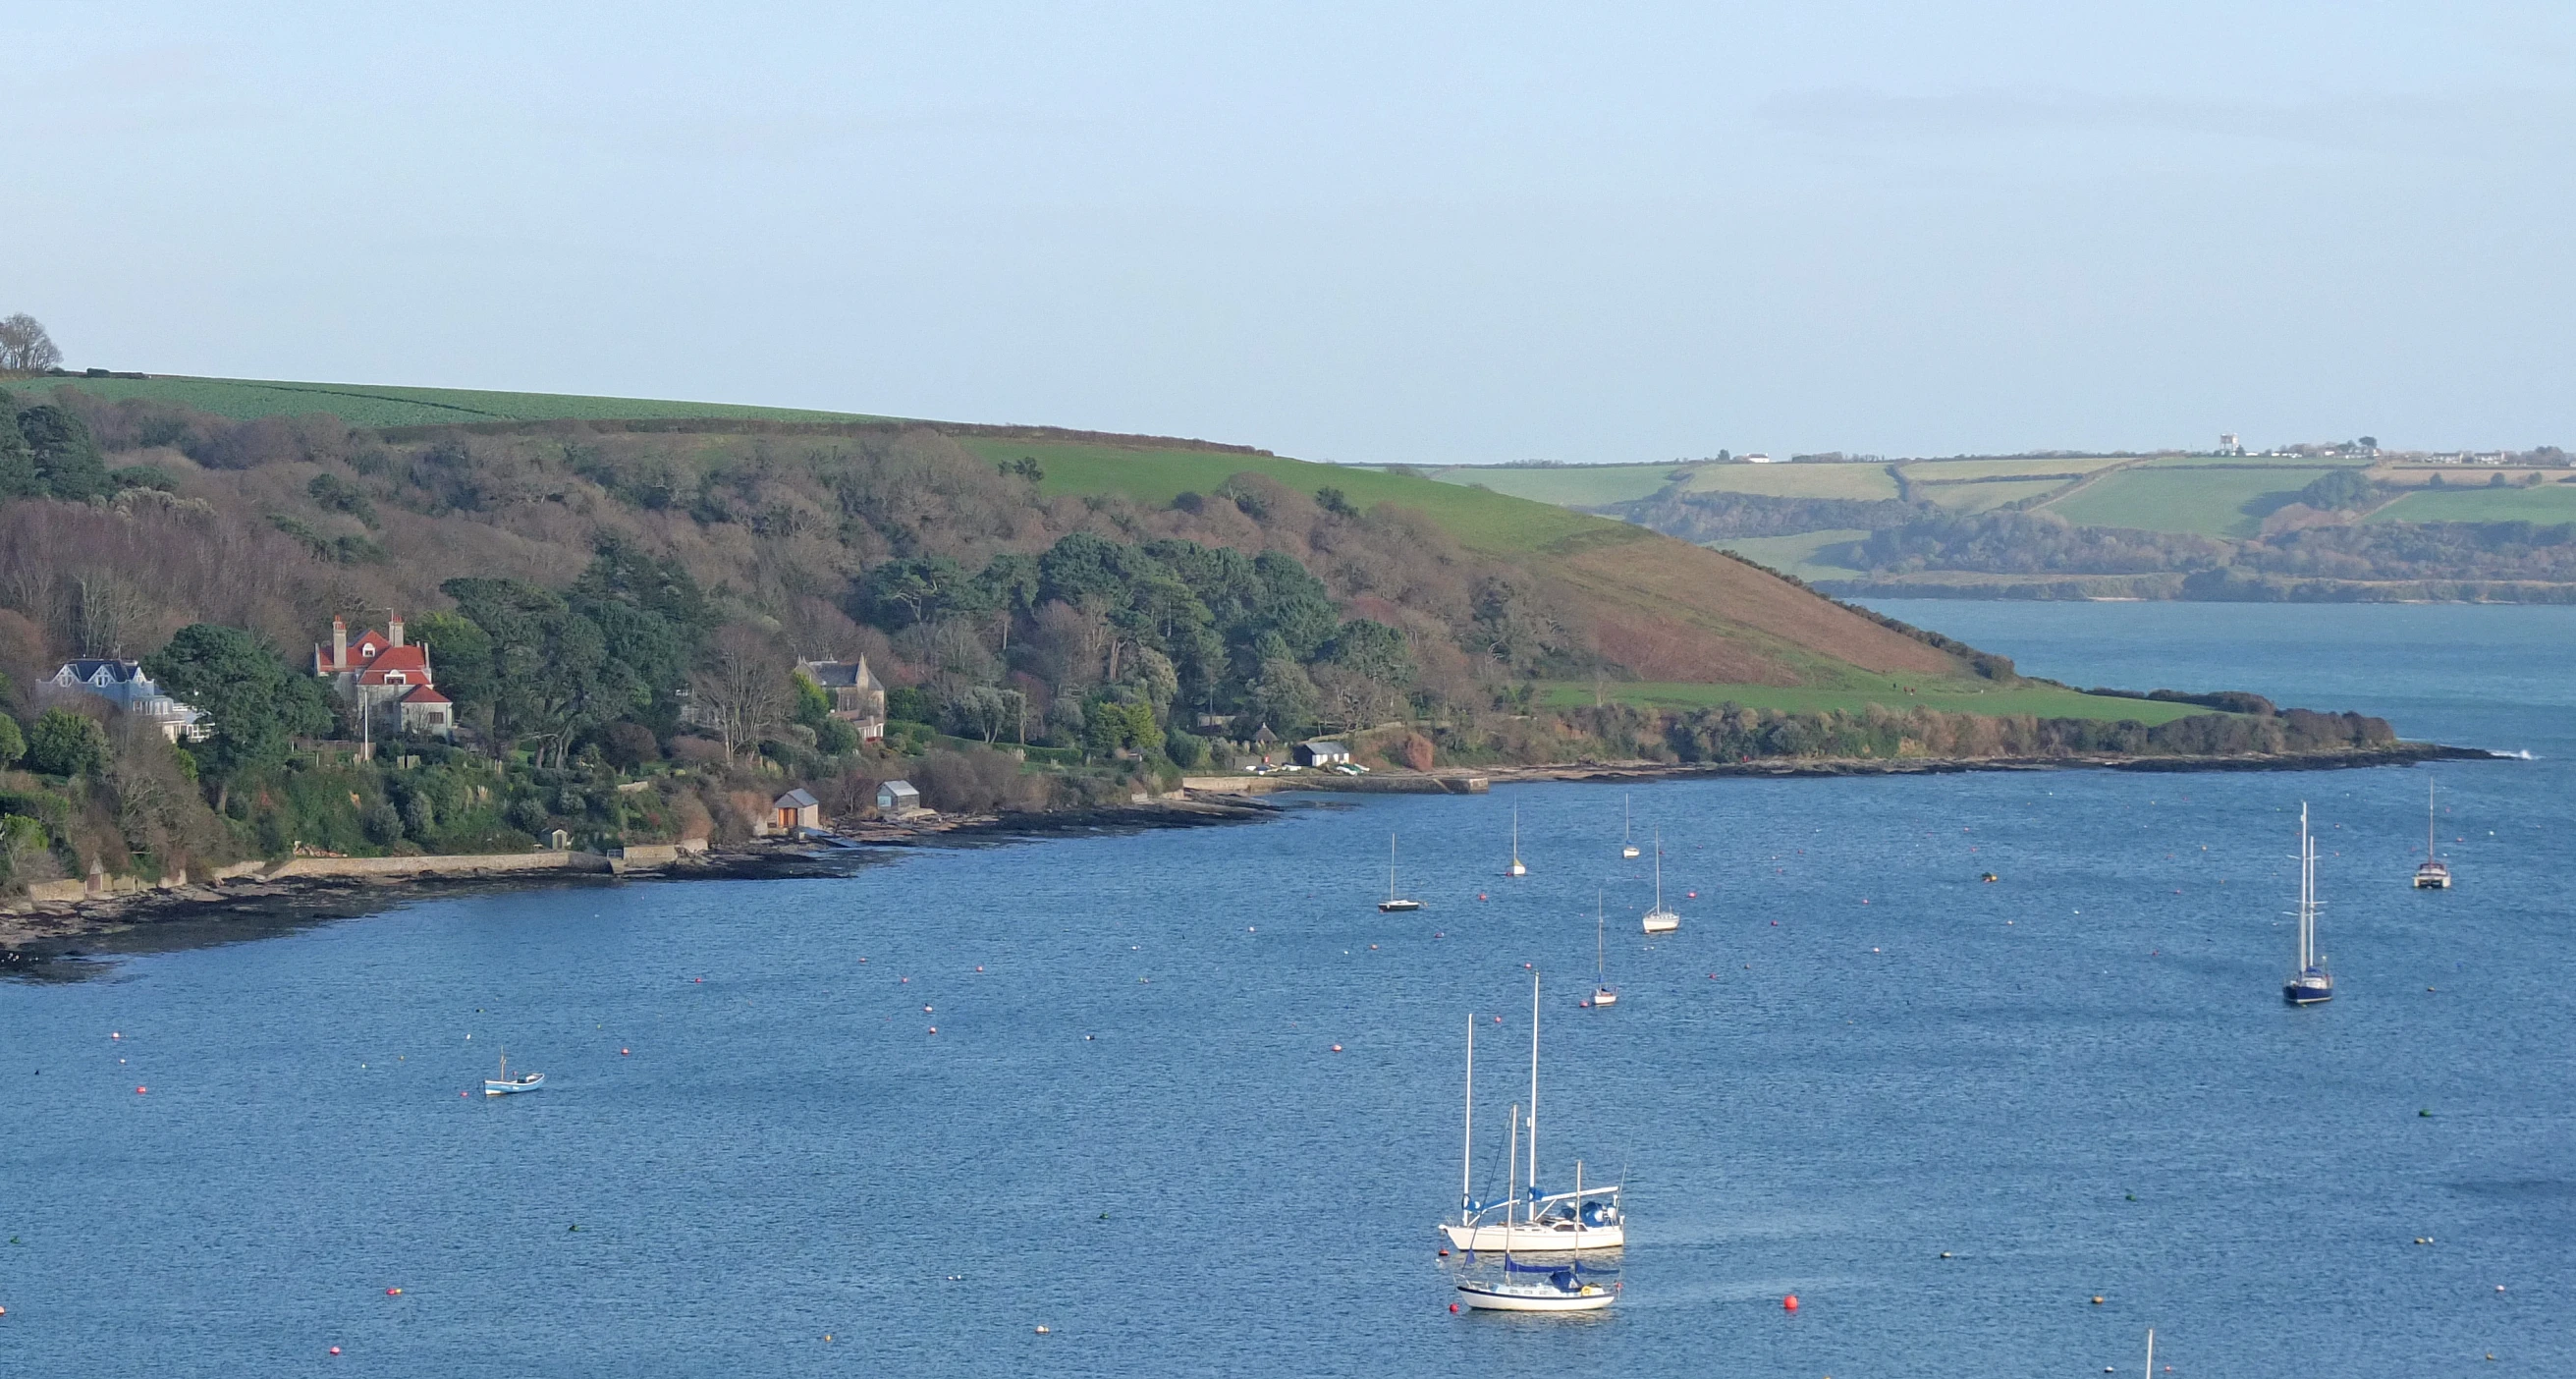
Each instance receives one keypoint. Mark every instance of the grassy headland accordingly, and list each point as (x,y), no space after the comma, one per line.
(613,594)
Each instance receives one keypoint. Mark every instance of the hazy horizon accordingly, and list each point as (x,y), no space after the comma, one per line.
(1441,235)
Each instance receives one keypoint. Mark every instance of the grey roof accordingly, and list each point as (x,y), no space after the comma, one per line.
(840,674)
(795,799)
(899,787)
(1323,744)
(118,672)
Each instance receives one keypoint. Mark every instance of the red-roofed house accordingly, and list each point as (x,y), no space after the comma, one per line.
(378,670)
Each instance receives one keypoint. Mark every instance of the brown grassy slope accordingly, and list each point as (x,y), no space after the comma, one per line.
(1670,610)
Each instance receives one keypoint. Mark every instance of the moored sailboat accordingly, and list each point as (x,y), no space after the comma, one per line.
(1587,1218)
(1393,901)
(1516,869)
(1660,920)
(2311,984)
(1627,830)
(1602,995)
(1564,1289)
(2433,874)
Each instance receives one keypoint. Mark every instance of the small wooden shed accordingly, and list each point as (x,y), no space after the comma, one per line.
(898,797)
(795,809)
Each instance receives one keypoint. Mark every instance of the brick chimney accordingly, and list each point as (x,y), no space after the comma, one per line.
(339,644)
(393,626)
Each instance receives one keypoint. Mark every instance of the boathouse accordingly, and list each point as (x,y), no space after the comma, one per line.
(794,810)
(1322,752)
(897,797)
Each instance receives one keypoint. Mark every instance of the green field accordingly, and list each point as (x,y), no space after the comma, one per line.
(2038,700)
(1983,497)
(2212,502)
(1795,480)
(1794,555)
(1482,520)
(373,405)
(1935,471)
(2254,462)
(1575,486)
(2548,503)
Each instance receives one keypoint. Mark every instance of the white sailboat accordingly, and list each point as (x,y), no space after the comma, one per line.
(1627,830)
(1563,1290)
(1516,869)
(2433,874)
(1588,1218)
(1660,920)
(1602,995)
(1393,901)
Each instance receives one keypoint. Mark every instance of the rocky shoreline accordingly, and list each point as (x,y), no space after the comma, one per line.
(37,938)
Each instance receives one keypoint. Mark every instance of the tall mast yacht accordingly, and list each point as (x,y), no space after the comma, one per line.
(1587,1218)
(1627,830)
(1516,869)
(2311,984)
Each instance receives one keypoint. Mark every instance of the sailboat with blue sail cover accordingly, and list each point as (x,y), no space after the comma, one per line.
(1590,1217)
(1564,1287)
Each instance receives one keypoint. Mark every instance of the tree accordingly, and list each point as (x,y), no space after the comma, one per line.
(65,453)
(25,347)
(13,744)
(64,743)
(551,673)
(256,704)
(741,692)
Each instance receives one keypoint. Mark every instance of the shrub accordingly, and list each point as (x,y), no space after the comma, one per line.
(1415,751)
(13,744)
(626,745)
(66,744)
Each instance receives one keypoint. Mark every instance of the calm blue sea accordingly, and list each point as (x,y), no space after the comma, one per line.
(1131,1126)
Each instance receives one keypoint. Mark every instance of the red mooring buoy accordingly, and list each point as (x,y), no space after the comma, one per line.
(1789,1303)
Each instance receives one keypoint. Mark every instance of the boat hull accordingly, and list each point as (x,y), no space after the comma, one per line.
(1487,1297)
(1663,923)
(1525,1239)
(1392,906)
(2307,991)
(496,1088)
(1627,852)
(2429,880)
(1605,997)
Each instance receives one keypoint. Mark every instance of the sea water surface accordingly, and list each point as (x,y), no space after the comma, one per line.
(1946,1114)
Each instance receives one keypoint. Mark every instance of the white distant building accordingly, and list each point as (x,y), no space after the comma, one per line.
(2228,444)
(1758,458)
(124,684)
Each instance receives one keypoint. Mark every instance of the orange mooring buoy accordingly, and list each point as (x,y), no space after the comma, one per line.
(1789,1303)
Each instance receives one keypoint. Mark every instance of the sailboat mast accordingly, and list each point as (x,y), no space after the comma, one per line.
(1600,927)
(2151,1352)
(2307,893)
(1390,894)
(1467,1152)
(2428,821)
(1512,1186)
(1659,868)
(1533,1112)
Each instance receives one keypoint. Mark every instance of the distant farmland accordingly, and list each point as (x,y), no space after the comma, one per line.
(2208,501)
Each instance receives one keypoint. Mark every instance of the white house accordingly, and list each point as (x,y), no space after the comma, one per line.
(124,684)
(1321,752)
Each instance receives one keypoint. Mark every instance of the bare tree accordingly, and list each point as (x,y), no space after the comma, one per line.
(25,347)
(742,693)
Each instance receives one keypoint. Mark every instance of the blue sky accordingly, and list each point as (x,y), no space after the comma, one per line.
(1369,233)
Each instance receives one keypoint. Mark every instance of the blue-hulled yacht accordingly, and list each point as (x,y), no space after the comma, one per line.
(2311,984)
